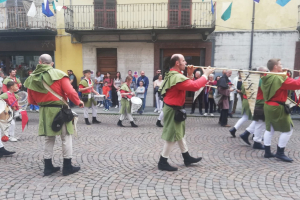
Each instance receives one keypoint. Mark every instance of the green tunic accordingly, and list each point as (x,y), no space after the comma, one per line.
(5,81)
(245,105)
(126,105)
(275,115)
(87,104)
(47,114)
(172,131)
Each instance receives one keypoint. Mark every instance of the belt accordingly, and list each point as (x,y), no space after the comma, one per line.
(180,107)
(56,106)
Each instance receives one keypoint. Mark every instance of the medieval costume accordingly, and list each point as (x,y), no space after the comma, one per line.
(173,90)
(7,79)
(90,101)
(50,106)
(277,117)
(126,105)
(246,115)
(224,91)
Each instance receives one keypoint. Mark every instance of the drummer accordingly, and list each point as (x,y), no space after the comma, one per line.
(126,94)
(86,87)
(12,100)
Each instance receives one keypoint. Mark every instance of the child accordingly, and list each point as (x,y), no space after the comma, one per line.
(105,91)
(140,94)
(119,97)
(12,100)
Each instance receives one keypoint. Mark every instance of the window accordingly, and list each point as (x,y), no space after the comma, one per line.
(105,14)
(180,13)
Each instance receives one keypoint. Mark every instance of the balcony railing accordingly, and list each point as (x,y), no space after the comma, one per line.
(140,16)
(299,17)
(16,18)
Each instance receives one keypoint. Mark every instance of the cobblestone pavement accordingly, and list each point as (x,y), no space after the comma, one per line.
(121,163)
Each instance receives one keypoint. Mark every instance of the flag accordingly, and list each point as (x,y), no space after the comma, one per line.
(282,2)
(32,10)
(2,1)
(212,7)
(24,119)
(256,1)
(46,10)
(54,7)
(226,10)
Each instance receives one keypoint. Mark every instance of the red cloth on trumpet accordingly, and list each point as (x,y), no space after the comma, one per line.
(24,119)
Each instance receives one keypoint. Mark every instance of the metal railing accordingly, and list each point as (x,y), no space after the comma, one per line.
(16,18)
(140,16)
(299,17)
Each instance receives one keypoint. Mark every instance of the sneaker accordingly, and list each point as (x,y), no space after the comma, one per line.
(155,110)
(101,105)
(12,139)
(104,109)
(37,110)
(211,114)
(116,106)
(98,104)
(30,110)
(205,114)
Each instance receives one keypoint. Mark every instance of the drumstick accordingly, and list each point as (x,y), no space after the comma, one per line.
(211,86)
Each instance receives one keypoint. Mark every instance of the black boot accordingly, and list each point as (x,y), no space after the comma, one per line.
(268,153)
(232,131)
(164,165)
(188,160)
(133,124)
(280,155)
(258,145)
(4,152)
(95,121)
(120,123)
(245,137)
(49,168)
(158,123)
(68,168)
(87,121)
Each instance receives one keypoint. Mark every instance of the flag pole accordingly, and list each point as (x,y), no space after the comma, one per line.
(252,35)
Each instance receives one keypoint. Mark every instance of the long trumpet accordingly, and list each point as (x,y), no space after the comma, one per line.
(259,72)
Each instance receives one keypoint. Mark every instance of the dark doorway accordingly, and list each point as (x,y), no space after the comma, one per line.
(107,61)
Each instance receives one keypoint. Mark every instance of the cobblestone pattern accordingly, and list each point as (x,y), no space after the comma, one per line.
(121,163)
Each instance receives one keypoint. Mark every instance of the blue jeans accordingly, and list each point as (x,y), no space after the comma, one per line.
(106,104)
(34,107)
(109,98)
(144,102)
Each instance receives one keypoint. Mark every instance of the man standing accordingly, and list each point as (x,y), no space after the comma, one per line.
(11,77)
(199,98)
(277,117)
(133,83)
(73,81)
(158,72)
(237,82)
(173,91)
(50,106)
(146,84)
(223,103)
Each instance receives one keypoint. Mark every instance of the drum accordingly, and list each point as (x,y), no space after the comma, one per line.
(99,97)
(5,111)
(22,101)
(136,103)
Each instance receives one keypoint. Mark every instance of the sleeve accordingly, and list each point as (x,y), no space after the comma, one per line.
(72,77)
(291,84)
(190,85)
(3,96)
(147,84)
(30,99)
(69,90)
(4,88)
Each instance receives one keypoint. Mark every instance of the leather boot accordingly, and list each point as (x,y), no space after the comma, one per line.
(95,121)
(4,152)
(188,160)
(120,123)
(68,168)
(87,121)
(280,155)
(268,153)
(164,165)
(49,168)
(258,145)
(133,124)
(158,123)
(232,131)
(245,137)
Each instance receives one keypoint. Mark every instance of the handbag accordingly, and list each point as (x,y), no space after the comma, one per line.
(180,114)
(286,107)
(84,98)
(64,115)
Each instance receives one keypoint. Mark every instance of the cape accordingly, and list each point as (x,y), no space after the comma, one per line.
(270,84)
(171,79)
(46,73)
